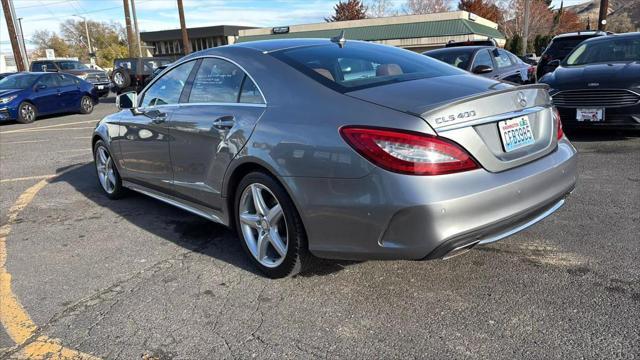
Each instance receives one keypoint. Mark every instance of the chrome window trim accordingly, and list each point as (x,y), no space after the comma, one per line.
(488,119)
(144,91)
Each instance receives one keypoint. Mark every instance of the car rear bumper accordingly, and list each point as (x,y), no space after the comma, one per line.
(392,216)
(627,117)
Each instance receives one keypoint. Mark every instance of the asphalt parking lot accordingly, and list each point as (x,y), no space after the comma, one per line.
(82,276)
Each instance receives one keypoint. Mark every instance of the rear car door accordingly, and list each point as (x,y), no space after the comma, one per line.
(144,134)
(506,69)
(70,93)
(210,127)
(47,99)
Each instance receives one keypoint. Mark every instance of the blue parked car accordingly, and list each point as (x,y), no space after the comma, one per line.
(25,96)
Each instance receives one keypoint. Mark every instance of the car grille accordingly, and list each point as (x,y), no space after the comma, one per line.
(97,78)
(595,98)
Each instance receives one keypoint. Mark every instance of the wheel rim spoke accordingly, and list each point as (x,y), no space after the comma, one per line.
(263,243)
(250,220)
(274,214)
(277,243)
(258,200)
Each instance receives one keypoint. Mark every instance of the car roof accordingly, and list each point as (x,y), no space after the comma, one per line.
(458,48)
(614,36)
(281,44)
(580,33)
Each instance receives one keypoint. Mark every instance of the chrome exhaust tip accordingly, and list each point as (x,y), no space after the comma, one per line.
(460,250)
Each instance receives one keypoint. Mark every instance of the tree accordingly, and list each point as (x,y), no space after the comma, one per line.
(483,8)
(414,7)
(348,10)
(380,8)
(515,44)
(107,41)
(620,23)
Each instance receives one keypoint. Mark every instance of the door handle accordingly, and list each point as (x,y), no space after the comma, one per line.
(224,122)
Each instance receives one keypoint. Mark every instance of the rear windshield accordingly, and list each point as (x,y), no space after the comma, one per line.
(72,65)
(453,56)
(561,47)
(360,65)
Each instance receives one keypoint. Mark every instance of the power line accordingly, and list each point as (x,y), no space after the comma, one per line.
(70,15)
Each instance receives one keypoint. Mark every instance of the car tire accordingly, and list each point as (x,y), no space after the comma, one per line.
(107,172)
(121,79)
(86,105)
(27,113)
(282,256)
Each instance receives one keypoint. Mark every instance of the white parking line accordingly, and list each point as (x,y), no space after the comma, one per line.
(23,142)
(38,129)
(48,127)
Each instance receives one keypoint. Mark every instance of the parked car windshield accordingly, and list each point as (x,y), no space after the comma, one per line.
(458,57)
(18,81)
(610,50)
(72,65)
(357,66)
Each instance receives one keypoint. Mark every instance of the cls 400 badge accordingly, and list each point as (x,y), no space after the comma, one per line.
(449,118)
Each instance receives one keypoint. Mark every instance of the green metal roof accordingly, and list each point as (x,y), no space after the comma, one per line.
(393,31)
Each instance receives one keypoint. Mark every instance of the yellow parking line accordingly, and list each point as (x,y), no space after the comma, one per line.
(48,126)
(13,316)
(37,177)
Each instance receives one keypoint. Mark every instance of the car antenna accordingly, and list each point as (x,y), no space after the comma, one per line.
(340,39)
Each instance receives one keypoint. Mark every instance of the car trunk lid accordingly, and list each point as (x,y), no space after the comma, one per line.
(467,110)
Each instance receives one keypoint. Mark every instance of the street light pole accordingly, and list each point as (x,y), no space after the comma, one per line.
(135,22)
(86,30)
(24,45)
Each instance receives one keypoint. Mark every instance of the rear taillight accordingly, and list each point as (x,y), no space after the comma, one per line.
(407,152)
(558,123)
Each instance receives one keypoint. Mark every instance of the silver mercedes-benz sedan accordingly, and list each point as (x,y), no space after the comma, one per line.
(342,150)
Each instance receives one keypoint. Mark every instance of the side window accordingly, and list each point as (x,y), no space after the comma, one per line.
(502,59)
(66,80)
(482,58)
(36,66)
(50,80)
(217,81)
(168,88)
(250,93)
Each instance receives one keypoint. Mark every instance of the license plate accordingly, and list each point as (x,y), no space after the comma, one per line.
(100,87)
(590,115)
(515,133)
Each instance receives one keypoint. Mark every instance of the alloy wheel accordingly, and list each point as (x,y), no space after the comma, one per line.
(86,104)
(263,225)
(106,172)
(118,78)
(28,112)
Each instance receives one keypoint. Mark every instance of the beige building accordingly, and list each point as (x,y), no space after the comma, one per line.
(413,32)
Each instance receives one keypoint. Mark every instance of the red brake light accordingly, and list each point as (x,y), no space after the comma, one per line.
(558,121)
(408,153)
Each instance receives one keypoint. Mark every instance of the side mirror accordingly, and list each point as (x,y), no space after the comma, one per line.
(554,63)
(482,69)
(128,100)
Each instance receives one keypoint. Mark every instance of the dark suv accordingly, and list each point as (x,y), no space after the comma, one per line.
(133,73)
(98,78)
(559,47)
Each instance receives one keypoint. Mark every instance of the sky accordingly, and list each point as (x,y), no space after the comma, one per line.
(163,14)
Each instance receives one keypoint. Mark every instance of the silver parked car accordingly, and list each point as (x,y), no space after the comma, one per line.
(339,150)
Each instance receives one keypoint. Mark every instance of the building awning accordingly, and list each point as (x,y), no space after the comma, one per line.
(452,27)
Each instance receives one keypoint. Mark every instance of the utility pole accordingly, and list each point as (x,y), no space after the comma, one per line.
(24,44)
(135,22)
(127,20)
(602,19)
(527,15)
(9,15)
(186,46)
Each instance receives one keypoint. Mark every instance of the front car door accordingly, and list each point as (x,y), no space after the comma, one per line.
(210,127)
(48,99)
(144,136)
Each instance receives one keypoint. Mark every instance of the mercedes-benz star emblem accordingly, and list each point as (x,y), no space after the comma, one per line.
(522,99)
